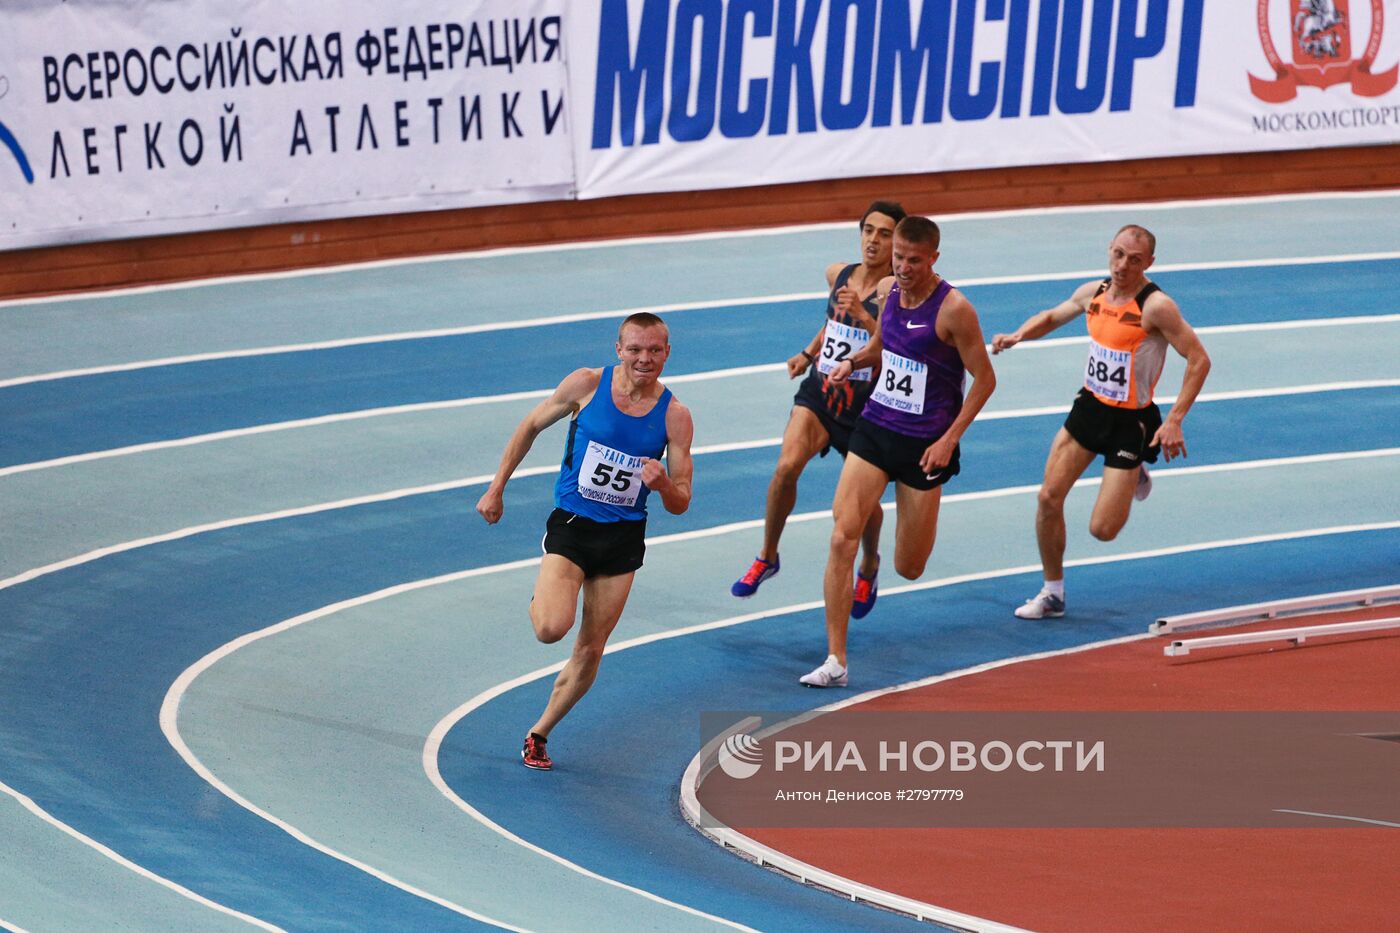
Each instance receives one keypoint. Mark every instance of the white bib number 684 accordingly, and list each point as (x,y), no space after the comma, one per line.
(1108,372)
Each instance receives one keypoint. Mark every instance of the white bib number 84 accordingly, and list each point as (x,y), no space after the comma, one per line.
(902,383)
(610,476)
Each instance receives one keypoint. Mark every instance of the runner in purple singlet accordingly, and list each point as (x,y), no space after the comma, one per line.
(927,339)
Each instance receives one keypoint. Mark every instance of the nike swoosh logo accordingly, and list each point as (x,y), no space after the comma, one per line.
(912,326)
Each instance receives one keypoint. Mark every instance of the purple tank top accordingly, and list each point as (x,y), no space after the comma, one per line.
(919,390)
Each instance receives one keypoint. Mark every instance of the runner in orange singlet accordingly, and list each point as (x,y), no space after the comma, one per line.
(1131,322)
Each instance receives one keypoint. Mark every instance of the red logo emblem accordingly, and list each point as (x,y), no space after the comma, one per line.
(1322,49)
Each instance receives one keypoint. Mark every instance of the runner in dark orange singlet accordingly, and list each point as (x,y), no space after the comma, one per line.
(1131,323)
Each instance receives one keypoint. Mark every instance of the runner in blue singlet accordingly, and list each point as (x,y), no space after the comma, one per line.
(624,419)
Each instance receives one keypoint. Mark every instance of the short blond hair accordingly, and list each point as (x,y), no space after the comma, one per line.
(642,319)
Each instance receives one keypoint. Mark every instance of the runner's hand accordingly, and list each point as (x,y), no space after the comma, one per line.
(1170,439)
(848,303)
(797,365)
(840,372)
(1004,342)
(490,506)
(846,299)
(654,475)
(938,454)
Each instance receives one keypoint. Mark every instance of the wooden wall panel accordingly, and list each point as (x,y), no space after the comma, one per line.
(288,246)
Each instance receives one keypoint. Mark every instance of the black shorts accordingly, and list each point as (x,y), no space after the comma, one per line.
(600,549)
(899,454)
(836,407)
(1121,435)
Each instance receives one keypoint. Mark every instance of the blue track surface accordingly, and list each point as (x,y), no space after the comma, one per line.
(623,750)
(52,419)
(89,652)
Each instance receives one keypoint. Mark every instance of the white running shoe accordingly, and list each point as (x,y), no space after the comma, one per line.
(830,674)
(1144,484)
(1042,605)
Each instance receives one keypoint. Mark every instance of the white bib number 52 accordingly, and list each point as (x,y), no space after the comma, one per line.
(839,342)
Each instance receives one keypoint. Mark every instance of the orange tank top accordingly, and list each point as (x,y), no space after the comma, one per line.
(1125,361)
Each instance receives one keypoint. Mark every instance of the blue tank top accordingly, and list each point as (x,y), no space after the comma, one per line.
(919,390)
(601,476)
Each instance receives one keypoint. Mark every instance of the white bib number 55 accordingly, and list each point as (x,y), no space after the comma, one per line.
(610,476)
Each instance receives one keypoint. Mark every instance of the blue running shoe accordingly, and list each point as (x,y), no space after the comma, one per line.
(866,591)
(748,584)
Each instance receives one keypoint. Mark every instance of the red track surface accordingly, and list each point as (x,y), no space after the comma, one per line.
(1344,878)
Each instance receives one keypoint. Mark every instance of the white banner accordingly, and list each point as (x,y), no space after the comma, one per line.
(131,118)
(682,94)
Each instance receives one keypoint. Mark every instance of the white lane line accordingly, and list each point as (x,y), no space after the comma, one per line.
(193,530)
(724,303)
(488,254)
(1253,327)
(432,748)
(169,724)
(12,928)
(418,407)
(731,304)
(339,417)
(170,706)
(169,710)
(121,860)
(1338,816)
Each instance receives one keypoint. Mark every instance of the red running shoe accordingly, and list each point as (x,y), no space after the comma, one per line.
(533,754)
(866,591)
(759,571)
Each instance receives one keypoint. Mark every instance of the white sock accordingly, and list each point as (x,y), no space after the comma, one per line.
(1054,588)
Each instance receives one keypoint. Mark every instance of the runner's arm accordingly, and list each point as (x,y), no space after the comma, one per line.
(871,354)
(564,401)
(960,319)
(673,481)
(798,363)
(1162,316)
(1042,323)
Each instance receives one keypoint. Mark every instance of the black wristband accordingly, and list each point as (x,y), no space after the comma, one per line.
(810,357)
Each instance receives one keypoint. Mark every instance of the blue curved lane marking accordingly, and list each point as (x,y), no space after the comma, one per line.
(626,748)
(53,419)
